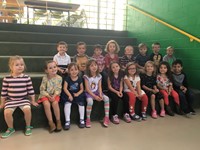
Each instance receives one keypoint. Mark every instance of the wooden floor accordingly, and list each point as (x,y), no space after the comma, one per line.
(169,133)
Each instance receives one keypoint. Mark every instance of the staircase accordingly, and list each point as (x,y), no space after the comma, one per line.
(36,44)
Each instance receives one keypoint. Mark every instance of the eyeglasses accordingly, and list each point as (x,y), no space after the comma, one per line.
(131,68)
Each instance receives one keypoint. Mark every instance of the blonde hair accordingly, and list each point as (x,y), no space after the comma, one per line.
(12,61)
(170,47)
(116,45)
(142,45)
(152,63)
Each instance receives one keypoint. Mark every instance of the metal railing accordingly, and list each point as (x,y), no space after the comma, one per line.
(191,37)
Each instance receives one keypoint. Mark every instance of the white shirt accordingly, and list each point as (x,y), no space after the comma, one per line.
(133,83)
(62,60)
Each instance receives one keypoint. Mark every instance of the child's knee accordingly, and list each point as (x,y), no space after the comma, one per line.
(89,102)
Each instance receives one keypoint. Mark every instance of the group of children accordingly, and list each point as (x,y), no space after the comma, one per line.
(146,78)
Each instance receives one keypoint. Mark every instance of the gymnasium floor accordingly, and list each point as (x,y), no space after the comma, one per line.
(169,133)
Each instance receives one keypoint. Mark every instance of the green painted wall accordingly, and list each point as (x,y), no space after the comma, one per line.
(183,14)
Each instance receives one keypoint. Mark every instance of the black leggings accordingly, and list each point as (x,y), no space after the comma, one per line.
(115,101)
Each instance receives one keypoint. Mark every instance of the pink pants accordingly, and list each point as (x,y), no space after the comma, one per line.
(173,93)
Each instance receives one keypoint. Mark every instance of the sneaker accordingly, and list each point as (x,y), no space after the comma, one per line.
(8,133)
(154,114)
(82,123)
(106,121)
(115,119)
(136,117)
(67,125)
(88,123)
(127,118)
(28,130)
(144,116)
(162,113)
(192,112)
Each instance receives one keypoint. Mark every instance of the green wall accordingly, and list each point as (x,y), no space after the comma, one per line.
(183,14)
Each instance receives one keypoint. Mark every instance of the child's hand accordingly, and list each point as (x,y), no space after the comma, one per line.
(97,98)
(76,94)
(34,103)
(184,89)
(1,106)
(119,94)
(71,98)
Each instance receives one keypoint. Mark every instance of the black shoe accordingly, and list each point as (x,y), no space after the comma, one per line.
(178,110)
(144,116)
(67,125)
(136,117)
(169,110)
(192,112)
(82,124)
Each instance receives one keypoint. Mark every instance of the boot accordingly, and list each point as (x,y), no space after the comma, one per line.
(58,126)
(178,110)
(169,110)
(52,126)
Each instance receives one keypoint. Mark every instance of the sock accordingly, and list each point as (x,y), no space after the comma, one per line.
(67,110)
(81,112)
(106,105)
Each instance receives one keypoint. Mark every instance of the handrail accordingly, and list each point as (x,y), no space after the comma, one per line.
(191,37)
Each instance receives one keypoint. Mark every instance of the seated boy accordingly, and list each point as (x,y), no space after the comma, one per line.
(181,86)
(128,56)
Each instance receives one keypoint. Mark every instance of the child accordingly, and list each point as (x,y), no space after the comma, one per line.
(61,58)
(156,57)
(128,56)
(142,57)
(100,59)
(164,83)
(115,86)
(112,48)
(148,83)
(16,88)
(169,57)
(94,91)
(81,58)
(50,90)
(181,87)
(73,88)
(133,90)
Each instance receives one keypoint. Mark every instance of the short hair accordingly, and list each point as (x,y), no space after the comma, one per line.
(177,61)
(80,43)
(129,46)
(97,46)
(142,45)
(116,44)
(62,43)
(156,43)
(170,47)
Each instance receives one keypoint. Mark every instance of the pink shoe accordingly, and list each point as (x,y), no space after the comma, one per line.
(154,114)
(88,123)
(115,119)
(106,121)
(162,113)
(127,118)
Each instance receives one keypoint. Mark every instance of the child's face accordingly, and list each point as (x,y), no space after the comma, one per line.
(111,48)
(51,68)
(170,51)
(149,68)
(163,69)
(61,49)
(132,69)
(128,51)
(93,67)
(73,71)
(115,68)
(177,68)
(156,48)
(18,66)
(97,51)
(143,51)
(81,49)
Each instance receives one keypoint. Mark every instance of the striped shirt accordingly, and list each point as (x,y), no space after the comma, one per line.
(16,91)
